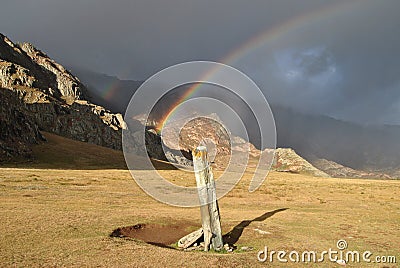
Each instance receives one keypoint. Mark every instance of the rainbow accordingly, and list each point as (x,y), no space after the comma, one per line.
(295,24)
(110,91)
(163,120)
(267,37)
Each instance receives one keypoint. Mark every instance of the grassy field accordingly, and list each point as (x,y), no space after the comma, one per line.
(63,217)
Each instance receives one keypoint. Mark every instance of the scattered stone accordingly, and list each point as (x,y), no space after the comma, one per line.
(229,248)
(180,160)
(194,248)
(261,231)
(341,262)
(190,239)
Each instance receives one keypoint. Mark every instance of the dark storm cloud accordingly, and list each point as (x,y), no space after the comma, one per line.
(139,37)
(347,65)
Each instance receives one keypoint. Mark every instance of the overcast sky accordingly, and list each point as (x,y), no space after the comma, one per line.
(337,58)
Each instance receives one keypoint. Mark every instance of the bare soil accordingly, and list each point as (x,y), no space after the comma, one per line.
(154,234)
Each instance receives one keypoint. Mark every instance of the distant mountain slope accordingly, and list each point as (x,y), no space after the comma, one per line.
(107,91)
(339,171)
(367,148)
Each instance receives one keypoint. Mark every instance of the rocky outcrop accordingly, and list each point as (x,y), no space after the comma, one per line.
(81,121)
(52,98)
(287,160)
(18,130)
(24,67)
(67,86)
(210,132)
(200,130)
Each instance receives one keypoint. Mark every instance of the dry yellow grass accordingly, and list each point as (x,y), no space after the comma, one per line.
(60,217)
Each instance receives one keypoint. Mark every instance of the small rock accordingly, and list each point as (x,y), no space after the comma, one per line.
(246,248)
(341,262)
(229,248)
(261,231)
(190,239)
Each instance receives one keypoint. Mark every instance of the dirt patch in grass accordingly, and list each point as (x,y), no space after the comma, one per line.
(155,234)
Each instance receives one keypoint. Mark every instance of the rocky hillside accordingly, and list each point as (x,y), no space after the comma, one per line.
(35,76)
(18,130)
(38,93)
(366,149)
(287,160)
(339,171)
